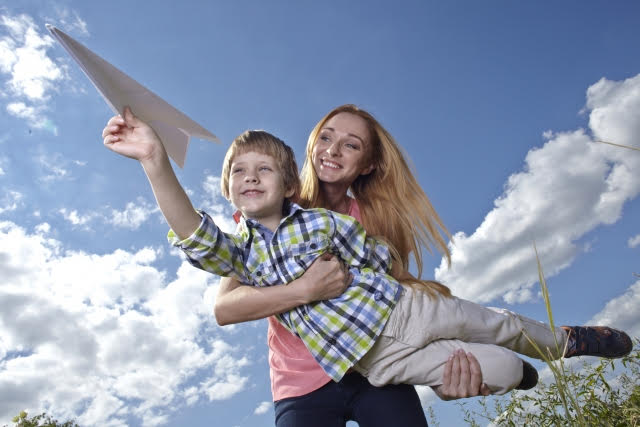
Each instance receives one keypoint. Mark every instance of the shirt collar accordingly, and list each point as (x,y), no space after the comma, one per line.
(288,209)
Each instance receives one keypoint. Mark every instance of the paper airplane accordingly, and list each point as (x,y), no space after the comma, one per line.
(119,90)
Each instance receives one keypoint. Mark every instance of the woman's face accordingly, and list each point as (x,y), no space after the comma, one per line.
(341,152)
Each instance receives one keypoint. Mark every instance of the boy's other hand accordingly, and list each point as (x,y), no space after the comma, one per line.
(131,137)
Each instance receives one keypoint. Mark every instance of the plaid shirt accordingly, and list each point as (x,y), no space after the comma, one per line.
(337,332)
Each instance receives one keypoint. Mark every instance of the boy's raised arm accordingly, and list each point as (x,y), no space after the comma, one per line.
(133,138)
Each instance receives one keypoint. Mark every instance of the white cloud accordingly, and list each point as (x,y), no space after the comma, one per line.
(614,111)
(75,218)
(262,408)
(222,390)
(133,215)
(634,241)
(42,228)
(70,21)
(22,110)
(622,312)
(33,114)
(53,167)
(10,201)
(547,134)
(219,208)
(191,395)
(30,73)
(568,187)
(103,338)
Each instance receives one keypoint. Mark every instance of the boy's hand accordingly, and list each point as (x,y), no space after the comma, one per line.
(131,137)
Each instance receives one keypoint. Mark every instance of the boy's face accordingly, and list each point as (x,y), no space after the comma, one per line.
(257,188)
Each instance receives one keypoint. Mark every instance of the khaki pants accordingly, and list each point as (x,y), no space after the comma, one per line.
(422,332)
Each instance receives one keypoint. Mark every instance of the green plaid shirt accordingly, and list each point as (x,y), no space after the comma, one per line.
(337,332)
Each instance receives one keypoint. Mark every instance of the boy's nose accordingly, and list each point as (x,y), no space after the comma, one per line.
(250,178)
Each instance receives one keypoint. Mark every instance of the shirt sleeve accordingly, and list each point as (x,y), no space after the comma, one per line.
(212,250)
(354,247)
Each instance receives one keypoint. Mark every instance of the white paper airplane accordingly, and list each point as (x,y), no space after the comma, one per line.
(119,90)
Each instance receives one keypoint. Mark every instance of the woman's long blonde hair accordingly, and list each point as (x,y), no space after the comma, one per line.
(391,202)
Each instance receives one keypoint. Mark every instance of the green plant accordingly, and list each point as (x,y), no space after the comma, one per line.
(602,399)
(591,396)
(41,420)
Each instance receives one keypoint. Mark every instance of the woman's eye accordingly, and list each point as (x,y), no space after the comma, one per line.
(352,146)
(324,138)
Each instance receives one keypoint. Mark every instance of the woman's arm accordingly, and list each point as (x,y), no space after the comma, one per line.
(326,278)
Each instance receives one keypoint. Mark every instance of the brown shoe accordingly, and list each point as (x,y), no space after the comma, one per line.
(600,341)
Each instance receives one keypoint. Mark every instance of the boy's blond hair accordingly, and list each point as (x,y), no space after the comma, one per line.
(263,142)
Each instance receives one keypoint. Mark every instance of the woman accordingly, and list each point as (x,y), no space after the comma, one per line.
(348,150)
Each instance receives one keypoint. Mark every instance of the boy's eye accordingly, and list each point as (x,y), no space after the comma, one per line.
(265,168)
(236,170)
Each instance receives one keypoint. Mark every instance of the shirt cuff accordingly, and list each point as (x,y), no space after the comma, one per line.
(174,240)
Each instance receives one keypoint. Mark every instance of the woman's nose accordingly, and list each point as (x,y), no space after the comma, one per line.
(334,149)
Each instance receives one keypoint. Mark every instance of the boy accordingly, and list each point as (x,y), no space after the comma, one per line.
(277,241)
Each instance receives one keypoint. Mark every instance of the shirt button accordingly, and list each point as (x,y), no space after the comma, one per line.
(377,295)
(258,273)
(313,246)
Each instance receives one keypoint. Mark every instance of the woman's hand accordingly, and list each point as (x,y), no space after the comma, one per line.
(462,378)
(326,278)
(131,137)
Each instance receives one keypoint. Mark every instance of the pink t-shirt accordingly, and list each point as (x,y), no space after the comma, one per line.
(294,371)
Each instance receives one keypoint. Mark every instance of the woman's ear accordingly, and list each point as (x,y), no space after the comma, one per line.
(367,170)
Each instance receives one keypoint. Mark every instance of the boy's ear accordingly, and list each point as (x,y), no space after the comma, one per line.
(289,193)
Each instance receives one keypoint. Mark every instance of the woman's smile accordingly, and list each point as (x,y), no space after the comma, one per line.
(342,149)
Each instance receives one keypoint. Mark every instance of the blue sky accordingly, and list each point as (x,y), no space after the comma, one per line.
(497,104)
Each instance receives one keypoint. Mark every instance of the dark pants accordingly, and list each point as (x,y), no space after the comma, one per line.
(352,399)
